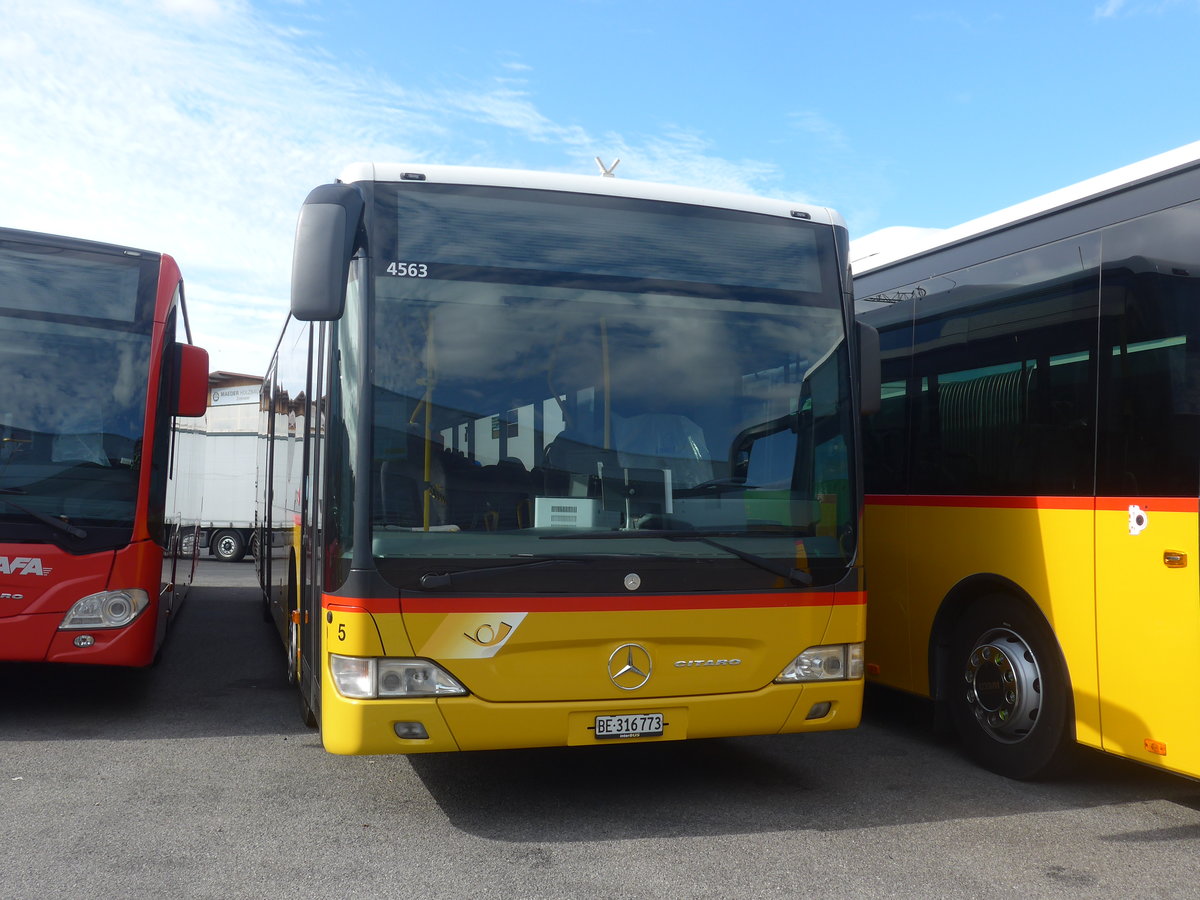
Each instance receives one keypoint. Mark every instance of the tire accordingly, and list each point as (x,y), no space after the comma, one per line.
(307,716)
(294,669)
(293,627)
(229,546)
(1008,691)
(293,651)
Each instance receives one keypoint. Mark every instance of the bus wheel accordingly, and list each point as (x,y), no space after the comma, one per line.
(1008,692)
(306,711)
(294,675)
(229,546)
(293,650)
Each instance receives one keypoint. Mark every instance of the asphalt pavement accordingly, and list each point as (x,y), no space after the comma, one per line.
(196,778)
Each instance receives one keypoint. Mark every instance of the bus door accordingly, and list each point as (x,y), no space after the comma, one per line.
(1148,629)
(1147,552)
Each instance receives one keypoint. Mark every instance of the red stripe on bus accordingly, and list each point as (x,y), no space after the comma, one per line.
(1150,504)
(631,603)
(981,502)
(1120,504)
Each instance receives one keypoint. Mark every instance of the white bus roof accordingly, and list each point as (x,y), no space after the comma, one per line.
(587,184)
(889,245)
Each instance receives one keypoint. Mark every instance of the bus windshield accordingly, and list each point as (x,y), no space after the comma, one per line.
(75,394)
(674,387)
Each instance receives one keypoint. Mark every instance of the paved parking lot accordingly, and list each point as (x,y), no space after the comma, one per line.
(197,779)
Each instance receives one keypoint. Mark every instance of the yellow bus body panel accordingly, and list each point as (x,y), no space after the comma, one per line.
(540,678)
(1127,622)
(1148,638)
(1044,550)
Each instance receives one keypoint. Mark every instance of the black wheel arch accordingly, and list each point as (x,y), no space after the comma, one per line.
(957,601)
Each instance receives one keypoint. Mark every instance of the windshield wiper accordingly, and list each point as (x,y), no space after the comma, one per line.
(795,576)
(716,486)
(432,581)
(62,525)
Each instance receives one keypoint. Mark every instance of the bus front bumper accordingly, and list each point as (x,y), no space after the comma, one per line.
(469,723)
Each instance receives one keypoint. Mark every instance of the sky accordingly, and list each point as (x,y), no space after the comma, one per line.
(197,127)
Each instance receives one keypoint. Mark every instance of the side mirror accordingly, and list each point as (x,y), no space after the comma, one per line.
(192,363)
(869,369)
(325,238)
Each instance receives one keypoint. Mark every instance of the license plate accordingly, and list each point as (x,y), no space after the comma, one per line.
(631,726)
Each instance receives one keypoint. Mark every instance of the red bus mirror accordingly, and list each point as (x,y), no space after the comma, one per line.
(193,381)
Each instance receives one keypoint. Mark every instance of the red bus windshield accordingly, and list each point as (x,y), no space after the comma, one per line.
(75,331)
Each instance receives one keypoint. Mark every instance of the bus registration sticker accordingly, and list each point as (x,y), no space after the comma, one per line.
(629,726)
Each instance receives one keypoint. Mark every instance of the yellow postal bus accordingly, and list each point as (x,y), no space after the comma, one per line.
(563,461)
(1033,474)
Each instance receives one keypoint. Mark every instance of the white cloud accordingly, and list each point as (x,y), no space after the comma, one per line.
(196,127)
(1111,9)
(194,134)
(199,10)
(676,157)
(818,126)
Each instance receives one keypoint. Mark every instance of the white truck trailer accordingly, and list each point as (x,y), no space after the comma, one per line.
(223,495)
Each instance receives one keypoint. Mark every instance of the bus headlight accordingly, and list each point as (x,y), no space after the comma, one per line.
(107,609)
(370,678)
(833,662)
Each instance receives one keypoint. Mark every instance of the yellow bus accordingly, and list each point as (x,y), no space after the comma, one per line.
(1033,474)
(563,460)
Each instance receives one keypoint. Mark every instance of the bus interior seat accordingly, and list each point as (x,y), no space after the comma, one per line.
(572,466)
(400,499)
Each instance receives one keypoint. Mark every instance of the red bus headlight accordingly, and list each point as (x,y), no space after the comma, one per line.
(107,609)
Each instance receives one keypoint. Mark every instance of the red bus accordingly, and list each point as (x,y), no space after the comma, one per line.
(97,361)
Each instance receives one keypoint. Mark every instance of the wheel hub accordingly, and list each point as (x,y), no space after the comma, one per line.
(1004,685)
